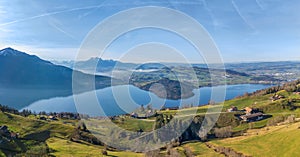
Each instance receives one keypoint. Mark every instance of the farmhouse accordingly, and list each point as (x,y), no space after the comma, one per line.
(249,110)
(134,115)
(276,97)
(169,108)
(253,117)
(232,109)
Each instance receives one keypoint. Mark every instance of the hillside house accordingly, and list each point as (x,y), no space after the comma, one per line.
(232,109)
(134,115)
(169,108)
(14,135)
(146,115)
(276,97)
(253,117)
(42,118)
(53,118)
(249,110)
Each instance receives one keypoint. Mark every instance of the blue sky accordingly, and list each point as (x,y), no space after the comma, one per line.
(244,31)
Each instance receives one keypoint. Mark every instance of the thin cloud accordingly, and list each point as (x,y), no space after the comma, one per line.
(259,4)
(5,30)
(61,30)
(240,14)
(94,9)
(77,9)
(47,14)
(214,20)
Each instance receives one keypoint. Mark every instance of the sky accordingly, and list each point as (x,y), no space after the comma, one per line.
(243,31)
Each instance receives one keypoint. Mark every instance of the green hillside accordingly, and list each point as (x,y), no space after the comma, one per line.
(45,138)
(272,141)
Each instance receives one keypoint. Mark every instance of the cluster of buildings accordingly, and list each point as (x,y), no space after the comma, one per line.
(143,115)
(53,118)
(251,114)
(62,115)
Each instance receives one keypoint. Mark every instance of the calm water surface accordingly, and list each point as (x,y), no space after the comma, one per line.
(126,98)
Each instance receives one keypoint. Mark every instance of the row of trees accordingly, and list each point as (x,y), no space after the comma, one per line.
(26,113)
(293,86)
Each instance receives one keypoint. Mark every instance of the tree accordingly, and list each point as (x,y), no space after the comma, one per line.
(104,151)
(152,153)
(211,102)
(142,109)
(149,107)
(223,132)
(169,149)
(82,126)
(159,121)
(203,135)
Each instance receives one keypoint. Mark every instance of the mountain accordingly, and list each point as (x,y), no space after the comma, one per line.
(102,65)
(19,69)
(150,66)
(171,89)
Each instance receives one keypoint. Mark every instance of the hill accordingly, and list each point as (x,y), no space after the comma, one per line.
(272,141)
(191,78)
(22,70)
(48,138)
(102,65)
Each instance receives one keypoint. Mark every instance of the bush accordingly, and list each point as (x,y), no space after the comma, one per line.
(152,153)
(275,120)
(227,119)
(223,132)
(188,152)
(104,152)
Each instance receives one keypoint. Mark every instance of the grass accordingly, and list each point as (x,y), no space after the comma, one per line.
(33,133)
(39,134)
(201,150)
(248,102)
(252,125)
(29,126)
(274,141)
(64,148)
(133,124)
(1,153)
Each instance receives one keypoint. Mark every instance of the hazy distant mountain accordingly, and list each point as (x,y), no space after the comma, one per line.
(102,65)
(149,66)
(19,69)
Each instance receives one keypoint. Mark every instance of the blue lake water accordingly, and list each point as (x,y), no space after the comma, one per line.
(126,98)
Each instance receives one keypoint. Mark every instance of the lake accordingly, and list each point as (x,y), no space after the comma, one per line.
(123,99)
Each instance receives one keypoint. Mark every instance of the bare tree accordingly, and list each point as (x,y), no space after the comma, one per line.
(223,132)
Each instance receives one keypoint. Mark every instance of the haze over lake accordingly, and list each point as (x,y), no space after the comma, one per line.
(124,102)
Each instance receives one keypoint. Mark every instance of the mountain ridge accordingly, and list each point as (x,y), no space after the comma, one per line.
(22,69)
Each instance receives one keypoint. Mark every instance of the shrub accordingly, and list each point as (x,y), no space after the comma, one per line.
(152,153)
(223,132)
(275,120)
(104,152)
